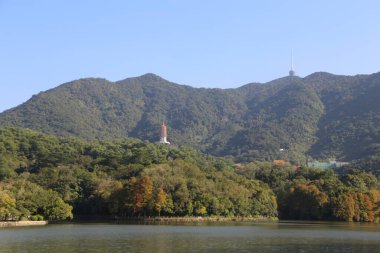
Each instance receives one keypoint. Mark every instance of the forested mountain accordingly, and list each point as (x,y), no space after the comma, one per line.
(322,116)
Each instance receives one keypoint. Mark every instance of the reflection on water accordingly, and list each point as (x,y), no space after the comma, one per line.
(229,237)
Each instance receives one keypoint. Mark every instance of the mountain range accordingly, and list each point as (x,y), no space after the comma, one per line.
(321,116)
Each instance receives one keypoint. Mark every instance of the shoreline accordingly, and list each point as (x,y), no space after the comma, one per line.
(171,219)
(8,224)
(208,219)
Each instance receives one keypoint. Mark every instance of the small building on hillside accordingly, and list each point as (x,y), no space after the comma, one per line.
(326,165)
(279,162)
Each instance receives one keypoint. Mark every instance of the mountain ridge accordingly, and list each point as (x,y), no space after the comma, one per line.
(310,117)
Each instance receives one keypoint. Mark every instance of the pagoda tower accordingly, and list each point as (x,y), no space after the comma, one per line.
(164,134)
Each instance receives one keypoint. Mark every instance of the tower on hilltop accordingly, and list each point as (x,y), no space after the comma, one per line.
(164,134)
(292,71)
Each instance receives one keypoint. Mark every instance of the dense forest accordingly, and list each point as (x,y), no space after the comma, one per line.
(47,177)
(314,194)
(127,178)
(321,116)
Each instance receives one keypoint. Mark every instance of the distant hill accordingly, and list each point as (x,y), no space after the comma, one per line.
(322,116)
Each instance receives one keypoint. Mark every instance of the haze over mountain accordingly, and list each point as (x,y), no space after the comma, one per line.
(322,116)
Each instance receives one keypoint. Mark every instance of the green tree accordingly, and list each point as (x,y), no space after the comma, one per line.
(7,206)
(54,208)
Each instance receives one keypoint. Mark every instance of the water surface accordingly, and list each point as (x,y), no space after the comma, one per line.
(228,237)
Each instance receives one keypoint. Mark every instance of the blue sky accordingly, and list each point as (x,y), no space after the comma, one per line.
(209,43)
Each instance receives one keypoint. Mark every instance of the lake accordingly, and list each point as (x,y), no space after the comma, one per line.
(215,237)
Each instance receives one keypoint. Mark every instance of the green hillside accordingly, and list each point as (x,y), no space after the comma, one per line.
(321,116)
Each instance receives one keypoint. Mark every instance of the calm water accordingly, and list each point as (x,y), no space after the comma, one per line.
(231,237)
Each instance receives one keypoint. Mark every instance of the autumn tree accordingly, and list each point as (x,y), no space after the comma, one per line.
(343,207)
(143,195)
(375,196)
(304,202)
(363,207)
(160,200)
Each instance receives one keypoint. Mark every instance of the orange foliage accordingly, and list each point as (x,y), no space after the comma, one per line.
(344,207)
(142,194)
(305,202)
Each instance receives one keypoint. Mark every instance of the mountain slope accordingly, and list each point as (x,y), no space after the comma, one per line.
(350,127)
(321,115)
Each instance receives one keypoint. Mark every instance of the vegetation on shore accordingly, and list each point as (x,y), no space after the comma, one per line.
(214,218)
(314,194)
(126,178)
(60,177)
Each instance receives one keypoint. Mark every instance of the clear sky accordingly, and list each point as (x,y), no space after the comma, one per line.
(209,43)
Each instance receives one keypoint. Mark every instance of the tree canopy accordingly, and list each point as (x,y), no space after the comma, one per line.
(58,178)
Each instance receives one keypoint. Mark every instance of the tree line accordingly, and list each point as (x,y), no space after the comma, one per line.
(314,194)
(126,178)
(44,176)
